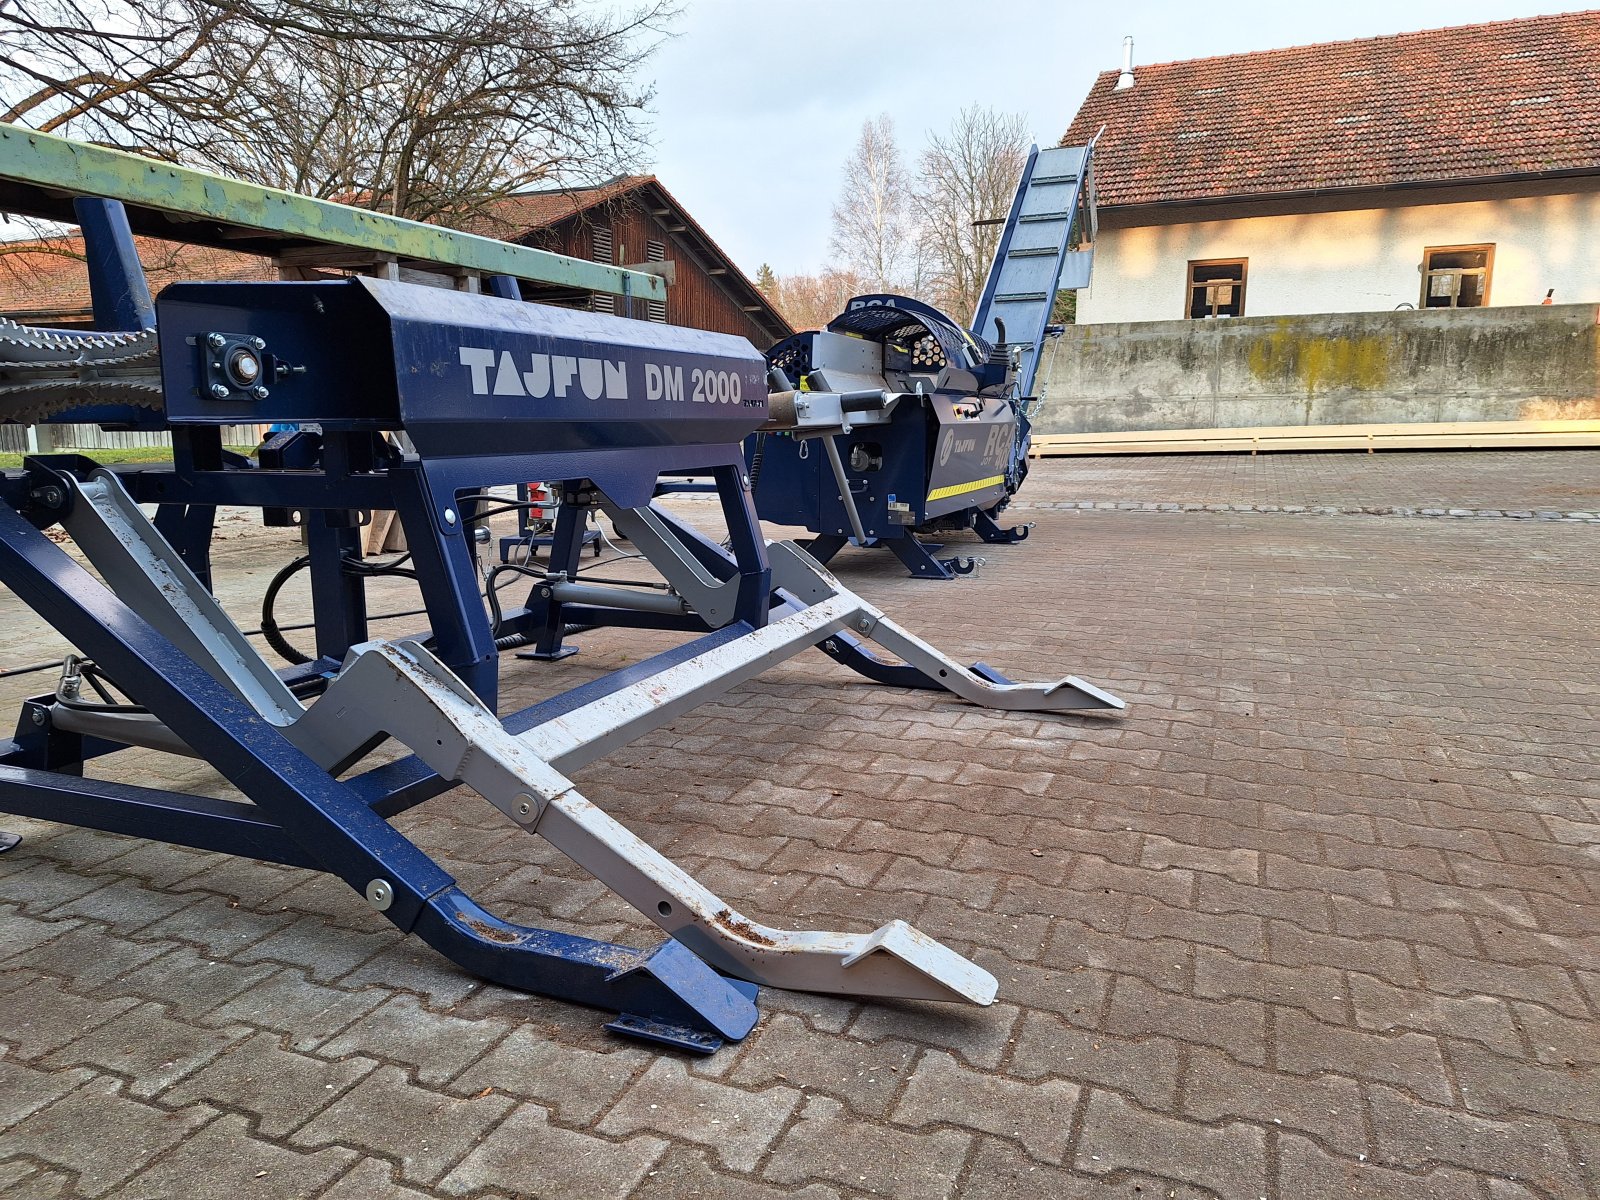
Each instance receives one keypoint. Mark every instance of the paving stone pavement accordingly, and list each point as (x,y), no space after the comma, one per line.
(1316,917)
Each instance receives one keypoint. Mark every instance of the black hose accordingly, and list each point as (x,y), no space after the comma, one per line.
(269,600)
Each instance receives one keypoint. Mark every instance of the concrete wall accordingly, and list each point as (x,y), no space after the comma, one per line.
(1476,364)
(1362,259)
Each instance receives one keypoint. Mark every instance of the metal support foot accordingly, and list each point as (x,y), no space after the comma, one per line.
(996,534)
(918,559)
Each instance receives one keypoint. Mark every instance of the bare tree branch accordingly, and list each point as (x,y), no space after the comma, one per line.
(427,108)
(965,176)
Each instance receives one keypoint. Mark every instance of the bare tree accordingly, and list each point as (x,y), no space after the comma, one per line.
(966,179)
(425,108)
(871,220)
(811,301)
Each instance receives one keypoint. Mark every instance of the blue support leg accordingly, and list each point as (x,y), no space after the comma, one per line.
(295,803)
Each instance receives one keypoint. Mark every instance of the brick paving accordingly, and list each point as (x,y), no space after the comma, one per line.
(1314,918)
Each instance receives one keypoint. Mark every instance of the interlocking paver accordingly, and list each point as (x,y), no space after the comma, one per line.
(1314,917)
(1306,1169)
(527,1155)
(224,1162)
(1216,1088)
(865,1075)
(575,1083)
(1417,1136)
(1306,1046)
(100,1134)
(1146,1068)
(424,1131)
(290,1003)
(828,1143)
(278,1089)
(145,1045)
(1230,1160)
(685,1173)
(737,1125)
(942,1091)
(42,1015)
(25,1090)
(435,1047)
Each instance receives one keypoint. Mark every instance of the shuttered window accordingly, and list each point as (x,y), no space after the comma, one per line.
(602,251)
(655,252)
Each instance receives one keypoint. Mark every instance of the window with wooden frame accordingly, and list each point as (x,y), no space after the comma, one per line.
(601,251)
(1456,276)
(1216,288)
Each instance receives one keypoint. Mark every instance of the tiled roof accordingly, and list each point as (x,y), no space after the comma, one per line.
(513,217)
(1510,98)
(49,276)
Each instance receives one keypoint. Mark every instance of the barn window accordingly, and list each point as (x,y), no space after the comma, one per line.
(655,252)
(601,251)
(1216,288)
(1456,276)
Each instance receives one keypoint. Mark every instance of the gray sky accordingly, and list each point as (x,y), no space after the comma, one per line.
(760,101)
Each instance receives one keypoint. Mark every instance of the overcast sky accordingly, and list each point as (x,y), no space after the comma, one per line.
(759,101)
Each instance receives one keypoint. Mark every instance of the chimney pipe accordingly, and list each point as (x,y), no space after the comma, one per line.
(1125,80)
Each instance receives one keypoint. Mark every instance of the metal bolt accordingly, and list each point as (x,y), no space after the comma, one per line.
(864,624)
(449,516)
(380,894)
(38,716)
(746,480)
(219,391)
(259,392)
(525,805)
(215,340)
(258,343)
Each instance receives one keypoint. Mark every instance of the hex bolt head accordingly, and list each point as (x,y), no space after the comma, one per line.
(258,343)
(215,340)
(380,894)
(38,716)
(259,392)
(219,391)
(864,624)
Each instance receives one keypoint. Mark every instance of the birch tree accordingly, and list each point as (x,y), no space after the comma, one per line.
(871,220)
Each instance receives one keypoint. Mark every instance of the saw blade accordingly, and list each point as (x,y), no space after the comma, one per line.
(46,372)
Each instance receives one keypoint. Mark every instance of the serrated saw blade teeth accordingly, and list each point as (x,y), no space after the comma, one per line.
(45,372)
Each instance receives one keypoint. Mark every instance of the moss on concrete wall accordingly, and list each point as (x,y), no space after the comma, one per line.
(1492,364)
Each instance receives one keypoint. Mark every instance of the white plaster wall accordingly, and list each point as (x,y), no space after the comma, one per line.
(1363,260)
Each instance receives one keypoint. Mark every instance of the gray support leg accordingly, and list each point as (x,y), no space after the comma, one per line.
(402,690)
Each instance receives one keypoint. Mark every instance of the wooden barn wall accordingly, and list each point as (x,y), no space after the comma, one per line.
(696,301)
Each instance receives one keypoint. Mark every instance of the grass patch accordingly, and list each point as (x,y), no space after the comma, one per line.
(112,457)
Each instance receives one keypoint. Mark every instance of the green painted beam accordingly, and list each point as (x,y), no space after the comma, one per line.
(44,160)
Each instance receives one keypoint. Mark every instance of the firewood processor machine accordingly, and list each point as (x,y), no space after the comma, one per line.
(895,423)
(415,391)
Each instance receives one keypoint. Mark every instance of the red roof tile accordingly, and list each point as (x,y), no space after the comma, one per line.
(1510,98)
(48,275)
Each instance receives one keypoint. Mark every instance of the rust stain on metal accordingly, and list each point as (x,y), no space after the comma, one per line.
(484,929)
(735,924)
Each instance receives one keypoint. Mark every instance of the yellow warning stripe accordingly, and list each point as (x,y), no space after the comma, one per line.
(961,489)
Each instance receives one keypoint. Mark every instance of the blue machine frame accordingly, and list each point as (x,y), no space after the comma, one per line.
(491,392)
